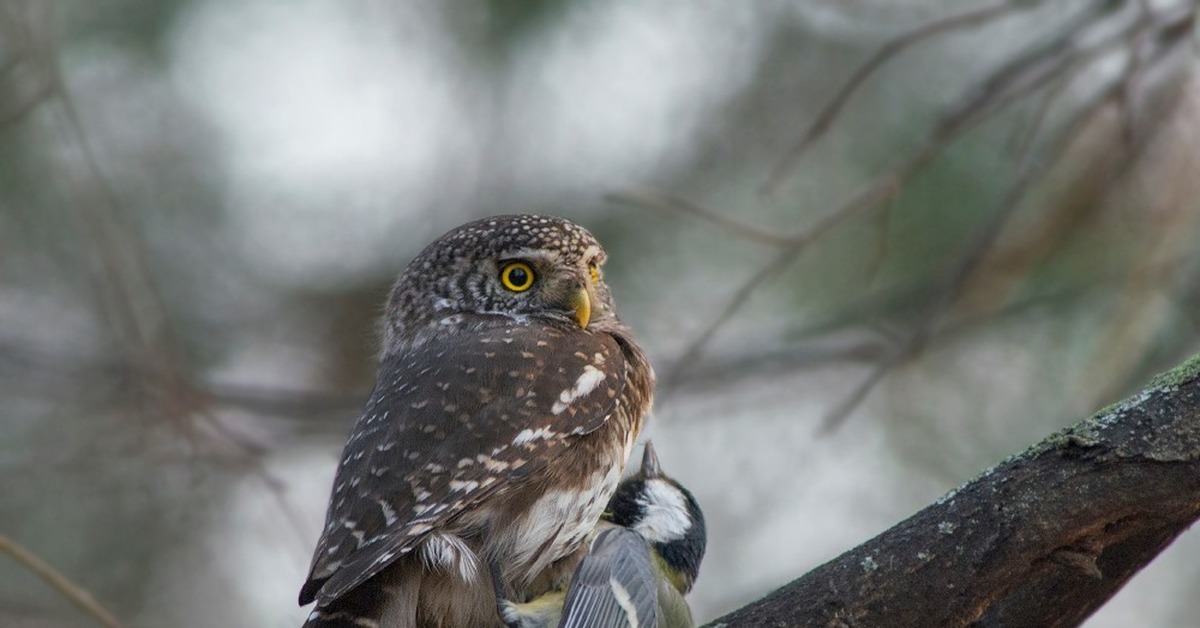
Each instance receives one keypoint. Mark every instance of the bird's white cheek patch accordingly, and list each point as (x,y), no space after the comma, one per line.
(586,383)
(666,517)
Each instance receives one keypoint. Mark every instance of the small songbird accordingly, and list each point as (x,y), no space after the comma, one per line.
(507,400)
(642,563)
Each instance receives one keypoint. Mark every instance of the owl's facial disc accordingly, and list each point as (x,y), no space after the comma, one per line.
(546,282)
(522,267)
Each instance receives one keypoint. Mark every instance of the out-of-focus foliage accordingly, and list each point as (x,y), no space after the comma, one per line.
(872,246)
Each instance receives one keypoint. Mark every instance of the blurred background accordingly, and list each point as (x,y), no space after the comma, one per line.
(873,247)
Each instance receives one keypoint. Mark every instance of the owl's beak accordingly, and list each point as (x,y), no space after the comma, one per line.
(581,303)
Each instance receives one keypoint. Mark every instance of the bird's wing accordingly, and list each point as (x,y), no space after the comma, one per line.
(449,423)
(614,586)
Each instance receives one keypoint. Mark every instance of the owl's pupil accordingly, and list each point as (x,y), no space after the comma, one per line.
(518,276)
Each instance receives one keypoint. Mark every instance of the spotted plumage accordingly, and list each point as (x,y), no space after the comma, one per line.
(506,402)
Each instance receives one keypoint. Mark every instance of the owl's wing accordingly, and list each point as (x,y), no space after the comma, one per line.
(450,423)
(614,586)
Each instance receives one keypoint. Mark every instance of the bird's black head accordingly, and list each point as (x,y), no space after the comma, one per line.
(666,515)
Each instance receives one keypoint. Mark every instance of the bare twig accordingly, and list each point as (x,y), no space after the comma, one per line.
(827,348)
(842,411)
(1034,163)
(277,488)
(958,273)
(18,31)
(1015,80)
(660,201)
(1028,70)
(291,403)
(124,288)
(1023,138)
(73,592)
(887,52)
(871,196)
(735,303)
(11,118)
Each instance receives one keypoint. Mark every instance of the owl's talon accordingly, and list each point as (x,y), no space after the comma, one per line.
(529,615)
(504,608)
(544,611)
(509,614)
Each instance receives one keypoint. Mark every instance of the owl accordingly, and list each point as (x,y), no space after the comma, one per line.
(507,400)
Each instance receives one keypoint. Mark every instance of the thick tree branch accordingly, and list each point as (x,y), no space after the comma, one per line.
(1042,539)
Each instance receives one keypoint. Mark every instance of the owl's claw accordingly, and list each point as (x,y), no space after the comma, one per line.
(505,609)
(529,615)
(509,614)
(543,612)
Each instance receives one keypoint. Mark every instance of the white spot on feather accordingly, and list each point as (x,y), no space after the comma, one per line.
(527,435)
(624,601)
(389,513)
(585,384)
(466,487)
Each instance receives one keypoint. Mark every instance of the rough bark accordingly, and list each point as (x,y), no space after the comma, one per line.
(1042,539)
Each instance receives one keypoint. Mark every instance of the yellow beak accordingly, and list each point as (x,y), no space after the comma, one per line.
(581,303)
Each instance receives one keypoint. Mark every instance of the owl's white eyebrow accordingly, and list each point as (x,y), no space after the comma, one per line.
(529,254)
(594,254)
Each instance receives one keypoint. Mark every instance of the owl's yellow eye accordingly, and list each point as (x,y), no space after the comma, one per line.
(595,271)
(517,276)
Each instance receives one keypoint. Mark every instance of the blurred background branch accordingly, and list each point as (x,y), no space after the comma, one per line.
(60,583)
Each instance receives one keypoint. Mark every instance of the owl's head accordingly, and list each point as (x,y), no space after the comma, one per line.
(522,267)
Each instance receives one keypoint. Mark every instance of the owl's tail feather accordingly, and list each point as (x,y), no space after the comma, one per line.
(370,605)
(339,619)
(412,596)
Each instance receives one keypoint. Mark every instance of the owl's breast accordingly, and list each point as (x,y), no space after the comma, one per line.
(565,508)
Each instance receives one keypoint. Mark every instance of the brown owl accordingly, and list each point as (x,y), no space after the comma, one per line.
(507,400)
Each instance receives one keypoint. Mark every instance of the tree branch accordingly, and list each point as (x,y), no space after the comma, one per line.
(1043,539)
(73,592)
